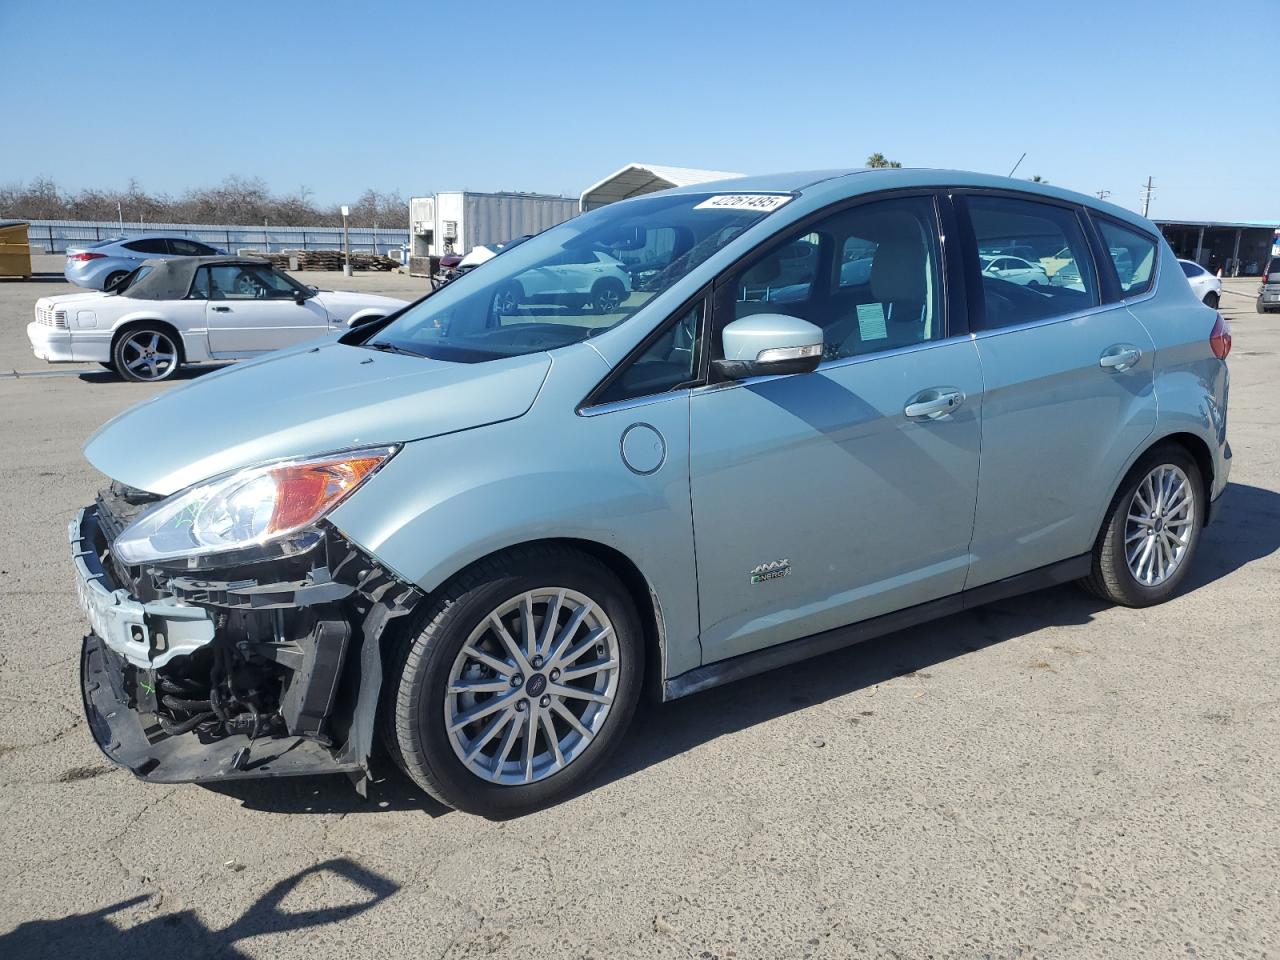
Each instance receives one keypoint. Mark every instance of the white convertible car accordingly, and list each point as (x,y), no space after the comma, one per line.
(171,312)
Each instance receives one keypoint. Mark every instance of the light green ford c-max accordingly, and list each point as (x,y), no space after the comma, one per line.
(816,410)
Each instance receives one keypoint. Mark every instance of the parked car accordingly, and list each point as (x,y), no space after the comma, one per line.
(469,534)
(1203,283)
(188,309)
(101,265)
(1014,270)
(1269,292)
(572,279)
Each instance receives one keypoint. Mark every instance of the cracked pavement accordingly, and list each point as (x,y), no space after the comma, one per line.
(1044,777)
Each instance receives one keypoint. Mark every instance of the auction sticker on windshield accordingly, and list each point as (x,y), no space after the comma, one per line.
(764,202)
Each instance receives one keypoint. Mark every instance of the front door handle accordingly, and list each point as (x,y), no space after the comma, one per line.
(934,403)
(1122,356)
(222,309)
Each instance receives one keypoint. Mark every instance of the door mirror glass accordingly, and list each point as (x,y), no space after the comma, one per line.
(768,344)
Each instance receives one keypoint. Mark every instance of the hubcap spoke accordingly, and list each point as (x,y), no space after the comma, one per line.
(511,722)
(1159,524)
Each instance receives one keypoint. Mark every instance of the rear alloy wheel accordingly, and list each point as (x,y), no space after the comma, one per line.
(113,279)
(1151,531)
(607,296)
(521,681)
(146,355)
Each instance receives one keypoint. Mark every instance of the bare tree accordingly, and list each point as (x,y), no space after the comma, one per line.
(238,200)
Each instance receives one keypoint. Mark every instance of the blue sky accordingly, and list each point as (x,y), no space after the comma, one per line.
(419,97)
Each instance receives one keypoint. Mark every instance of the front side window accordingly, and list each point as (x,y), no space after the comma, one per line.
(1134,256)
(248,282)
(188,248)
(869,277)
(151,246)
(668,362)
(1052,273)
(576,280)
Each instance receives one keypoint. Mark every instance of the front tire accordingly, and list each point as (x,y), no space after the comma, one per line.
(146,354)
(520,679)
(607,295)
(1151,532)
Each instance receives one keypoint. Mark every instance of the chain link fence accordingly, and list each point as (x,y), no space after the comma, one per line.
(54,236)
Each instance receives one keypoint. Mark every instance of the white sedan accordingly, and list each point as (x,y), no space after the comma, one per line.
(1203,283)
(172,312)
(1014,270)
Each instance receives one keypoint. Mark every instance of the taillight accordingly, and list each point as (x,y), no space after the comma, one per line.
(1220,338)
(83,257)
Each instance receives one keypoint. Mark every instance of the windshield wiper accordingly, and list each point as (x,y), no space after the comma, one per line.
(394,348)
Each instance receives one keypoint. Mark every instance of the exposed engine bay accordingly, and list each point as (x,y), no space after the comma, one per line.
(213,669)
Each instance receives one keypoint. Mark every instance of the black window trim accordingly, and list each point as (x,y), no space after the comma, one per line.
(954,321)
(1122,296)
(977,301)
(591,404)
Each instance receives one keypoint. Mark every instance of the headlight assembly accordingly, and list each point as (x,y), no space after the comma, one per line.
(247,508)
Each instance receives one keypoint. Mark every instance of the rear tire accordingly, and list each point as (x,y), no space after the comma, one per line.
(1151,531)
(431,663)
(1211,299)
(114,278)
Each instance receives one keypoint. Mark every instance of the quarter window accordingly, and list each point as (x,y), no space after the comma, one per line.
(668,362)
(1053,273)
(1134,255)
(868,276)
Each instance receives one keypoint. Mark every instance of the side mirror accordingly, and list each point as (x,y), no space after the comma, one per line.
(769,344)
(302,296)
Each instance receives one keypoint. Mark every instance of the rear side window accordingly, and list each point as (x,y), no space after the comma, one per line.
(1053,273)
(1134,255)
(1190,269)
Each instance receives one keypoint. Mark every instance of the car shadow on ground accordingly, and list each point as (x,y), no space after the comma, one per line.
(188,372)
(183,933)
(1247,529)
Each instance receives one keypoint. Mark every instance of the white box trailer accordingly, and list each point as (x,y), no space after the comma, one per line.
(463,220)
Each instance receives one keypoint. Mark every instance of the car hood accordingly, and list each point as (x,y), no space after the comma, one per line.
(347,300)
(315,399)
(61,298)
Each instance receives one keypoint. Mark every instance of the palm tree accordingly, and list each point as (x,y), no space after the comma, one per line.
(877,160)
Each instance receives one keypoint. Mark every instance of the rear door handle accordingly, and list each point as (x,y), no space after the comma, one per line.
(1122,356)
(934,403)
(222,309)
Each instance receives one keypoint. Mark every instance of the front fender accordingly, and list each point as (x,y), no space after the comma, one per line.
(443,503)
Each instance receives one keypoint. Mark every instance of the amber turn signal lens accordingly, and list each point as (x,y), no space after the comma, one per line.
(305,491)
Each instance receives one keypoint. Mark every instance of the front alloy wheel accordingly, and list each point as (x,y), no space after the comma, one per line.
(146,354)
(532,686)
(521,677)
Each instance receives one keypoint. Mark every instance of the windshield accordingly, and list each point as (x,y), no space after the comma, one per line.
(573,281)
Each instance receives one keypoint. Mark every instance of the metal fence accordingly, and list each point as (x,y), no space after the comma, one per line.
(54,236)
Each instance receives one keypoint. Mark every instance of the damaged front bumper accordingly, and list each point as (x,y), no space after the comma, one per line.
(226,674)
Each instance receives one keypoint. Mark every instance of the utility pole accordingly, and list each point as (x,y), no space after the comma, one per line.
(1103,194)
(346,240)
(1146,197)
(120,214)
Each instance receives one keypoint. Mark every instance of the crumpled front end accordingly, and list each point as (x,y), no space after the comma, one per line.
(211,671)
